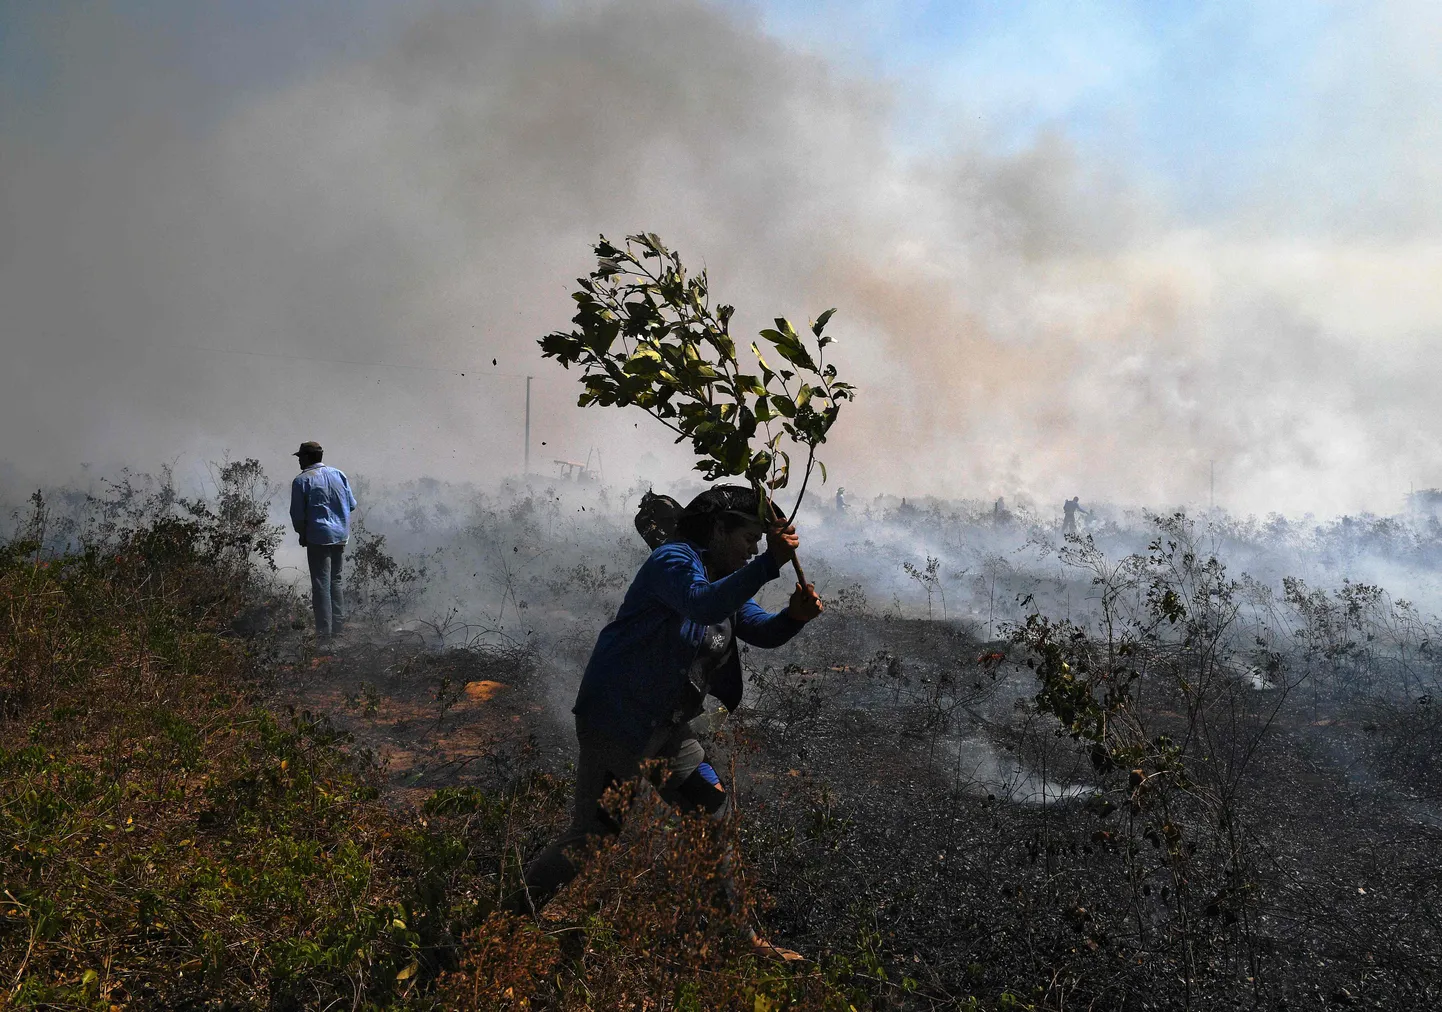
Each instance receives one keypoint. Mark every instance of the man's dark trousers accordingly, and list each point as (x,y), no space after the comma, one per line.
(325,588)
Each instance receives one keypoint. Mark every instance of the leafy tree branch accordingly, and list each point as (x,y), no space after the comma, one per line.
(647,335)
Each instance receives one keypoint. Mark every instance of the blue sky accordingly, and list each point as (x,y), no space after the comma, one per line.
(1201,96)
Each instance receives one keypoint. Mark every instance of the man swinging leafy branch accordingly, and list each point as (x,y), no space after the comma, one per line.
(647,335)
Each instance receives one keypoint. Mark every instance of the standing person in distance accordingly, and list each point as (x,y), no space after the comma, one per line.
(321,503)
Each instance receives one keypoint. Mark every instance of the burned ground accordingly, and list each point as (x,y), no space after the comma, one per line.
(926,808)
(873,826)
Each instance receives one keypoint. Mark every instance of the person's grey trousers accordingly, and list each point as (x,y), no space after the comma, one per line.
(325,588)
(605,762)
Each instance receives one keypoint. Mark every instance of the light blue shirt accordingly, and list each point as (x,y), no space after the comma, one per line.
(320,505)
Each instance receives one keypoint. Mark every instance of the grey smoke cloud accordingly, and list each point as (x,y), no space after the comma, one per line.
(1030,322)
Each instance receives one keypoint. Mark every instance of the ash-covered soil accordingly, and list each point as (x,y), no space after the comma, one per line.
(434,718)
(901,795)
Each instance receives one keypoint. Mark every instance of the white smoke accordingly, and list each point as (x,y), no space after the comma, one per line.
(1032,319)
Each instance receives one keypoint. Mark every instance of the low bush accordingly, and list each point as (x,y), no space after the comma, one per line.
(164,837)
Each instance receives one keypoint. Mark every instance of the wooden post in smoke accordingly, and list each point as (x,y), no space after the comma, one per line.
(647,335)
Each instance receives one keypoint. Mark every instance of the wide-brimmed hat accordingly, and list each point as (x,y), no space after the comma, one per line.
(310,448)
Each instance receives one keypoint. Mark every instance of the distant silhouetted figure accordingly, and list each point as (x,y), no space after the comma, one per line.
(841,500)
(1070,509)
(320,507)
(999,515)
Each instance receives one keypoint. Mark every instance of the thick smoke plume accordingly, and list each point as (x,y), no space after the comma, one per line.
(339,253)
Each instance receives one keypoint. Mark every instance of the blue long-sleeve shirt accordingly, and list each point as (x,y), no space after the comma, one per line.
(320,505)
(637,673)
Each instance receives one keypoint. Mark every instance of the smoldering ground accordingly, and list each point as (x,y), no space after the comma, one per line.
(903,783)
(908,792)
(209,253)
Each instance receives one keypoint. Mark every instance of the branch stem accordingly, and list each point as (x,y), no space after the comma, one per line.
(805,478)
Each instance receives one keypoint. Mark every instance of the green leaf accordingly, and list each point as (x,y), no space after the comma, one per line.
(566,348)
(820,324)
(760,466)
(783,476)
(796,355)
(766,372)
(724,346)
(746,383)
(783,405)
(602,336)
